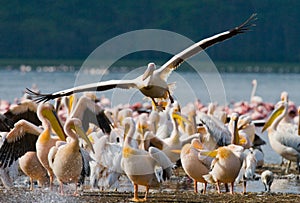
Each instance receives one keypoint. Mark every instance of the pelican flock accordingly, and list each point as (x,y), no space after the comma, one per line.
(82,140)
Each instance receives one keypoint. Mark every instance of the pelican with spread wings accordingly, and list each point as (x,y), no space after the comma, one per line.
(153,83)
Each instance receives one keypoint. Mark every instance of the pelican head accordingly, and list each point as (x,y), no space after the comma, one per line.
(235,136)
(279,110)
(244,121)
(76,125)
(47,112)
(149,71)
(284,96)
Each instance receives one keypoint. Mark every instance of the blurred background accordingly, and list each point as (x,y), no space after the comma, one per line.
(70,30)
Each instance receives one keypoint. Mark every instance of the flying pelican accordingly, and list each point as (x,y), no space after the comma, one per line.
(66,159)
(18,144)
(192,163)
(153,83)
(139,165)
(282,141)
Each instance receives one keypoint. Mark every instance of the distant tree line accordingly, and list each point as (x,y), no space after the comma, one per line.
(57,29)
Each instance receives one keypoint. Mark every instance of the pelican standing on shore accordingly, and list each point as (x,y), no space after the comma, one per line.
(66,159)
(282,141)
(153,83)
(139,165)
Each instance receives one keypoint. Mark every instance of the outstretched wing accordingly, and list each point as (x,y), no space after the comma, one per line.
(20,139)
(176,60)
(25,110)
(89,112)
(99,86)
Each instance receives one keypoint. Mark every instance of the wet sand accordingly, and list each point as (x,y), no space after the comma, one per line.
(179,189)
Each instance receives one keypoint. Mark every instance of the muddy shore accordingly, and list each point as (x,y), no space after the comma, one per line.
(21,193)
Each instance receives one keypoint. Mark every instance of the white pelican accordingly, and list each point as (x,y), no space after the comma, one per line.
(32,167)
(227,163)
(153,83)
(193,165)
(139,165)
(107,158)
(267,178)
(282,141)
(175,142)
(66,159)
(17,144)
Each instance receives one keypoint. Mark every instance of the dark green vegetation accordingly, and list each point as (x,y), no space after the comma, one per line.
(56,29)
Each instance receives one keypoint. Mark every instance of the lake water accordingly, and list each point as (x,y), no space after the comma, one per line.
(223,87)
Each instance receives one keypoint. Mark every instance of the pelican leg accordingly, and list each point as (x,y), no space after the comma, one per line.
(135,192)
(204,189)
(76,190)
(298,165)
(195,186)
(51,181)
(231,188)
(31,184)
(244,187)
(287,170)
(61,185)
(170,97)
(218,187)
(156,106)
(265,187)
(146,193)
(226,187)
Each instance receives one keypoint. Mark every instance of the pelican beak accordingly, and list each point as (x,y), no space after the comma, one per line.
(235,139)
(242,124)
(91,139)
(180,118)
(274,115)
(55,124)
(176,151)
(197,145)
(81,134)
(149,71)
(242,141)
(212,154)
(71,103)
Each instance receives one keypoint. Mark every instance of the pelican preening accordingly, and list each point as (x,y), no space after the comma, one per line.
(153,83)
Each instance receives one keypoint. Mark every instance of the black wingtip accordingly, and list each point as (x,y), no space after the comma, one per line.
(247,24)
(38,97)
